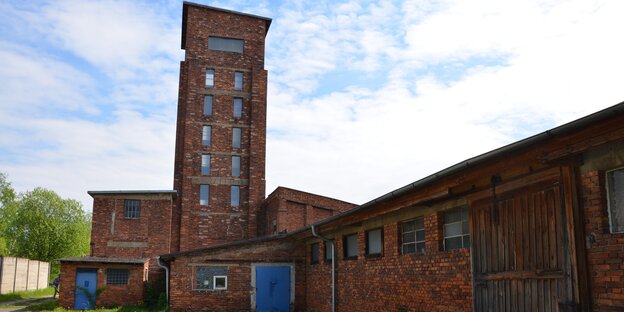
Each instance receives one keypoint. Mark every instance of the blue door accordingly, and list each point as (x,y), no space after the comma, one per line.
(272,288)
(86,282)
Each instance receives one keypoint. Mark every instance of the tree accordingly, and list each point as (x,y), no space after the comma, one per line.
(7,211)
(48,227)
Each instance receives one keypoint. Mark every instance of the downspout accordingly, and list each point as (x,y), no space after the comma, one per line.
(333,263)
(166,277)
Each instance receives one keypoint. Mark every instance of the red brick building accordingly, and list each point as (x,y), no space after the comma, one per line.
(537,225)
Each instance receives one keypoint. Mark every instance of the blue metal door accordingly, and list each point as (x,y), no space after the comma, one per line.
(86,282)
(272,288)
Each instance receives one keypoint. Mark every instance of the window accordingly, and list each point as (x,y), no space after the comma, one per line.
(456,231)
(207,105)
(226,44)
(211,277)
(328,250)
(238,108)
(234,195)
(350,247)
(205,164)
(210,78)
(374,242)
(314,253)
(206,135)
(238,81)
(204,194)
(116,276)
(615,197)
(236,166)
(236,137)
(132,208)
(413,236)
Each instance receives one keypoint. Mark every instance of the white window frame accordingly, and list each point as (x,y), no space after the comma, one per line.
(214,282)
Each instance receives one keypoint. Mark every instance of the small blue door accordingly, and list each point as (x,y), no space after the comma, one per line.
(272,288)
(86,282)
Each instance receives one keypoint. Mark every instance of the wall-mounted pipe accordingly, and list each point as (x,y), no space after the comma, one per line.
(166,277)
(333,263)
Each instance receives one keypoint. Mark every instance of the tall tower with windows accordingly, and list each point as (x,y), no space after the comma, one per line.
(219,170)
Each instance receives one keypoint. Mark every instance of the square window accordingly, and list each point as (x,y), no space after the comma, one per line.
(235,195)
(615,199)
(374,242)
(211,277)
(238,80)
(207,105)
(117,276)
(236,137)
(236,166)
(413,236)
(205,164)
(329,250)
(210,78)
(456,229)
(238,108)
(132,208)
(206,135)
(350,247)
(314,253)
(204,194)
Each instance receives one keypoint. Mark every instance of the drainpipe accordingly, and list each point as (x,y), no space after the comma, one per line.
(166,277)
(333,263)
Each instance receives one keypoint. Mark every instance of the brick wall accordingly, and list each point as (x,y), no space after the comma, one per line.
(112,295)
(605,253)
(239,260)
(113,235)
(435,281)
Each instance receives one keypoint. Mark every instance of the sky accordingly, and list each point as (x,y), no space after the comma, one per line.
(364,97)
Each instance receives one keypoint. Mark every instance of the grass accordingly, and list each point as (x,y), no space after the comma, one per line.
(46,292)
(53,306)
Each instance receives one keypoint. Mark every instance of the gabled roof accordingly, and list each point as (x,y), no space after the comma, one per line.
(187,4)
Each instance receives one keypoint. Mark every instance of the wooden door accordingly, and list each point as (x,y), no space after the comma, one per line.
(520,251)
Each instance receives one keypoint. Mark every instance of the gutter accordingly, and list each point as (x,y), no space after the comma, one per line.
(166,277)
(333,261)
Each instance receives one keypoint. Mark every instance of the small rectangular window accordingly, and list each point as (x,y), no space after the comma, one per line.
(132,208)
(238,108)
(207,105)
(456,230)
(117,276)
(413,236)
(236,166)
(211,277)
(238,81)
(235,195)
(226,44)
(204,194)
(314,253)
(206,135)
(374,242)
(210,78)
(615,199)
(236,137)
(350,247)
(328,250)
(205,164)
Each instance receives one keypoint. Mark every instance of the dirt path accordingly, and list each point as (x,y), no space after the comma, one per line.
(22,304)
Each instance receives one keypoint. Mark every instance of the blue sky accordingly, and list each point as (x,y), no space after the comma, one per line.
(364,96)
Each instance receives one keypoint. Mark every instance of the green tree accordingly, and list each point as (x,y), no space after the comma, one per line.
(7,211)
(48,227)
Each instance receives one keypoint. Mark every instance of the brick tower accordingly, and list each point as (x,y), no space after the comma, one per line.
(219,170)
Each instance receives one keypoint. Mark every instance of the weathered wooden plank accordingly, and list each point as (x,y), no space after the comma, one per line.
(519,275)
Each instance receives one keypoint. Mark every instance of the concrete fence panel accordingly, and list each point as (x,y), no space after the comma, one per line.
(19,274)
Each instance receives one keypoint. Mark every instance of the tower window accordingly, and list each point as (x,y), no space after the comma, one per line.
(226,44)
(238,107)
(208,105)
(132,208)
(209,78)
(205,164)
(236,137)
(235,195)
(206,135)
(204,194)
(238,81)
(235,166)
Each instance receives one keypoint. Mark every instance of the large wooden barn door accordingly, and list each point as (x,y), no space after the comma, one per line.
(520,249)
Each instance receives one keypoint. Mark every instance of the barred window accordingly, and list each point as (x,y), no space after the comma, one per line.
(413,236)
(456,231)
(211,277)
(132,208)
(117,276)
